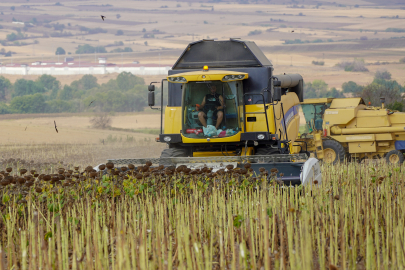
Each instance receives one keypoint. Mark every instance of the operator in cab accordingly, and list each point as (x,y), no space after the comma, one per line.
(212,101)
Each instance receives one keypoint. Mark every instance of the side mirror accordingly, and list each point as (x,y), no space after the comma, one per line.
(151,97)
(151,88)
(277,94)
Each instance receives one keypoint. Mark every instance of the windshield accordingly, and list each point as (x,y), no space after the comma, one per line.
(211,109)
(313,115)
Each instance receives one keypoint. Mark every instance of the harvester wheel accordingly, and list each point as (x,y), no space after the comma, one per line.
(173,152)
(333,152)
(394,157)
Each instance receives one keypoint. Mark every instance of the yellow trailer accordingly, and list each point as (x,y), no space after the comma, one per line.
(346,128)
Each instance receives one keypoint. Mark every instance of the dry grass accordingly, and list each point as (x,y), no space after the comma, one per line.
(73,129)
(34,138)
(42,155)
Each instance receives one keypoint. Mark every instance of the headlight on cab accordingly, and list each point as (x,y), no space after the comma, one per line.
(233,77)
(177,79)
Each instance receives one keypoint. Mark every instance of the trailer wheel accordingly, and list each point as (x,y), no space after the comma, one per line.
(333,152)
(394,157)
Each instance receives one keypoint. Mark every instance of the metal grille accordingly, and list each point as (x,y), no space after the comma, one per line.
(224,159)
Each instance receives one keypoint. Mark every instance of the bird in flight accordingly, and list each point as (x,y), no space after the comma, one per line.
(55,126)
(91,103)
(102,17)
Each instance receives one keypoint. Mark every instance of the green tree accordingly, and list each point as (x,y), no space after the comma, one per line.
(127,80)
(390,84)
(29,104)
(112,101)
(396,106)
(334,93)
(86,48)
(5,87)
(4,109)
(118,50)
(85,83)
(383,75)
(67,93)
(58,106)
(320,85)
(24,87)
(60,51)
(48,82)
(374,91)
(13,36)
(319,89)
(351,87)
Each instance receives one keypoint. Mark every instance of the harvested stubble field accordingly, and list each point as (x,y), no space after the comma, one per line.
(154,218)
(41,156)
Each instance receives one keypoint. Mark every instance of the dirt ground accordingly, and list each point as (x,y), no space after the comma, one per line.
(74,129)
(45,155)
(76,143)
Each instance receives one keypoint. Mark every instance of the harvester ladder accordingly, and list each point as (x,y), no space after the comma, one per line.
(318,145)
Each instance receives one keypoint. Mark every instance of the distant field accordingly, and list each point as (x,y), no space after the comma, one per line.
(168,26)
(73,129)
(34,138)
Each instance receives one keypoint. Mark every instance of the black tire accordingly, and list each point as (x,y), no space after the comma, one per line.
(394,157)
(173,152)
(333,151)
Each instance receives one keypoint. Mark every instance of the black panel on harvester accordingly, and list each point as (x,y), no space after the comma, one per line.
(233,55)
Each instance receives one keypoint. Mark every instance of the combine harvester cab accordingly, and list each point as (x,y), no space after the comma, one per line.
(226,106)
(346,128)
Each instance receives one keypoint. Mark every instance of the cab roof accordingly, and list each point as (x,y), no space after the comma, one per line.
(233,53)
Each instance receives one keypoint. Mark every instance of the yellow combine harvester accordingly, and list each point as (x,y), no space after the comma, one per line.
(223,100)
(224,103)
(342,128)
(226,107)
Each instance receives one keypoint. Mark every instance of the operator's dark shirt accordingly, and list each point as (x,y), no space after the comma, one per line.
(212,101)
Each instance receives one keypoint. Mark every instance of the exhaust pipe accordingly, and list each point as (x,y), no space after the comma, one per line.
(294,82)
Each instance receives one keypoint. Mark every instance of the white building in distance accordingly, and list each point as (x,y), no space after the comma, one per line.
(71,67)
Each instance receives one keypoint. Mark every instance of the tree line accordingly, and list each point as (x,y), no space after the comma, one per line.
(381,86)
(126,93)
